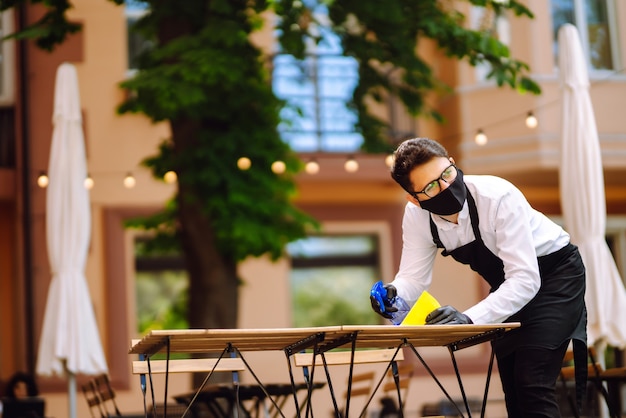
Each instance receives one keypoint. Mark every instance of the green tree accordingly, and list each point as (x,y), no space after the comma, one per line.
(211,84)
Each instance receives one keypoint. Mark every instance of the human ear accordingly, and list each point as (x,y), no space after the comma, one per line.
(413,200)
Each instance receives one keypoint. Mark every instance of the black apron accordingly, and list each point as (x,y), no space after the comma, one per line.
(556,314)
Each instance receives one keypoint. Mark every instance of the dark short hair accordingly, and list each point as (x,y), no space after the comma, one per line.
(21,377)
(412,153)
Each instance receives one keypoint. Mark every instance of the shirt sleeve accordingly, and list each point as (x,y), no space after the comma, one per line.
(510,222)
(418,255)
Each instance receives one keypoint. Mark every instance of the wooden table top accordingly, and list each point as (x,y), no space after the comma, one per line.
(276,339)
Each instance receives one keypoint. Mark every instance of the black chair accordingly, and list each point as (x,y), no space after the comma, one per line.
(600,378)
(31,407)
(100,397)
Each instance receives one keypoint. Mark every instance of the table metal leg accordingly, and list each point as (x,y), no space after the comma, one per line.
(487,382)
(432,374)
(311,341)
(458,378)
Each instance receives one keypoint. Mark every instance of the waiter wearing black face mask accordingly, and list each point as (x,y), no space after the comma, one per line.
(536,275)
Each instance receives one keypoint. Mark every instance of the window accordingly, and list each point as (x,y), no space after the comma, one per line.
(137,44)
(331,278)
(7,57)
(616,240)
(317,90)
(161,285)
(484,19)
(597,30)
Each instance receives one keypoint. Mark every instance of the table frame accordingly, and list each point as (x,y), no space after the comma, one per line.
(233,342)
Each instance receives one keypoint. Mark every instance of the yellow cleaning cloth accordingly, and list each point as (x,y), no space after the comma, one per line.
(424,305)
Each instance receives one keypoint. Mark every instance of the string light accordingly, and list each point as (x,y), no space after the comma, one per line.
(42,180)
(480,138)
(170,177)
(389,160)
(278,167)
(351,165)
(129,181)
(312,166)
(244,163)
(531,120)
(89,183)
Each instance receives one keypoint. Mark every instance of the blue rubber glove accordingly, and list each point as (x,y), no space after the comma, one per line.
(389,293)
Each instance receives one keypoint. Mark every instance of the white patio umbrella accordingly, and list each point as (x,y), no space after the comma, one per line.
(583,198)
(70,342)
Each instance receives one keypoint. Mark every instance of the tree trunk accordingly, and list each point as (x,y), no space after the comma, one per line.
(212,276)
(213,280)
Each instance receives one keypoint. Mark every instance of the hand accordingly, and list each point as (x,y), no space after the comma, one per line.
(391,293)
(447,315)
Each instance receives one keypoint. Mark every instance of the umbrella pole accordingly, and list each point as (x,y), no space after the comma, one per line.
(71,394)
(600,347)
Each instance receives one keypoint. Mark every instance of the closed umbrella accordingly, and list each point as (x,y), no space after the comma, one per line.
(583,198)
(70,342)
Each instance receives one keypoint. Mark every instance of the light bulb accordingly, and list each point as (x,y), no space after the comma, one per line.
(244,163)
(389,160)
(312,167)
(480,138)
(531,120)
(351,165)
(129,181)
(278,167)
(88,183)
(170,177)
(42,180)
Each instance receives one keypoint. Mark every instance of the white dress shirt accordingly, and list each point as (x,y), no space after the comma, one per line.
(510,228)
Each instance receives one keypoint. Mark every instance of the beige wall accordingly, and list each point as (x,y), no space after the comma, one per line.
(531,157)
(117,144)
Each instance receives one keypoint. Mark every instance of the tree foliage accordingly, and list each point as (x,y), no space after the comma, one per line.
(206,78)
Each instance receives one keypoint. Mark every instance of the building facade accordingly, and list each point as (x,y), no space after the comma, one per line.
(364,202)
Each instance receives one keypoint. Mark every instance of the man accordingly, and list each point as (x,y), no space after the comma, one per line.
(536,275)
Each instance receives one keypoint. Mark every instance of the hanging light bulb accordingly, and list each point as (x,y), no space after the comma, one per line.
(531,120)
(244,163)
(42,180)
(312,166)
(88,183)
(278,167)
(170,177)
(351,165)
(480,138)
(389,160)
(129,181)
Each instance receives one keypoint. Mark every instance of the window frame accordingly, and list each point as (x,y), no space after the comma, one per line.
(304,263)
(320,102)
(134,13)
(502,26)
(316,56)
(7,60)
(581,23)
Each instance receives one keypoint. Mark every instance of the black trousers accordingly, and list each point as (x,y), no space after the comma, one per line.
(528,377)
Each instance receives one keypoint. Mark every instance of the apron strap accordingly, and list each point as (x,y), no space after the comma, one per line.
(580,370)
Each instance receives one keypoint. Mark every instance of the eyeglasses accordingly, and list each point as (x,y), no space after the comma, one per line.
(434,187)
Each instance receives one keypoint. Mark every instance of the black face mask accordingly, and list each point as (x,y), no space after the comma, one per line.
(450,201)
